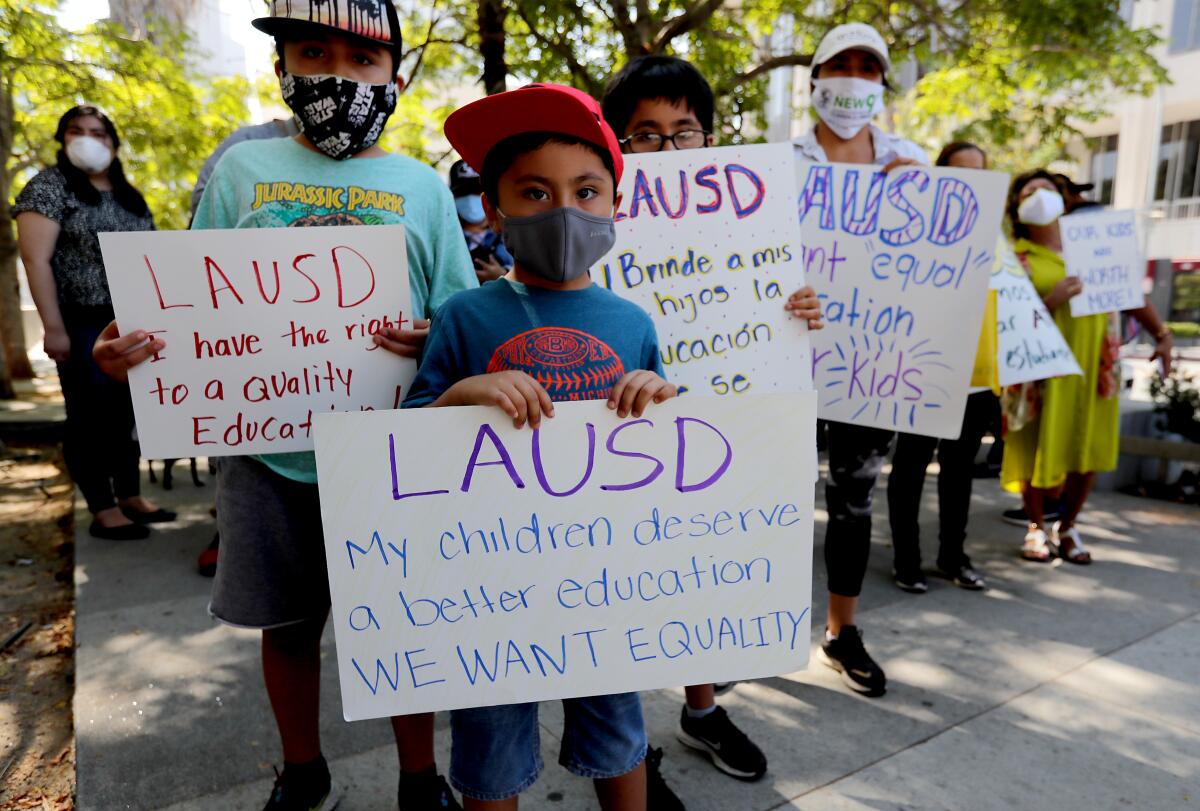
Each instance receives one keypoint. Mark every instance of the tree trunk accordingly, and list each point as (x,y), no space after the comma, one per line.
(492,14)
(12,325)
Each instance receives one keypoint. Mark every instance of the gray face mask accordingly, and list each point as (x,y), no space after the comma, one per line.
(558,245)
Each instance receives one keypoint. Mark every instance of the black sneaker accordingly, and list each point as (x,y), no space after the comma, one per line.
(426,791)
(1019,518)
(304,788)
(847,656)
(910,580)
(964,577)
(722,687)
(726,745)
(658,794)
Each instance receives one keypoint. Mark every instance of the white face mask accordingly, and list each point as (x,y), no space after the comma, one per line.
(846,104)
(89,154)
(1040,208)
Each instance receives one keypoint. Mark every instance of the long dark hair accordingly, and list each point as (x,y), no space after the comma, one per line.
(78,182)
(1021,230)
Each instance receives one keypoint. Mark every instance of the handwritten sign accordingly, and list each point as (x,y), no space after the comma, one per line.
(901,262)
(473,564)
(708,246)
(1101,248)
(1030,345)
(264,328)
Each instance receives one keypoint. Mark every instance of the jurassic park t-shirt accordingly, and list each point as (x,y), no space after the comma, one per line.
(278,183)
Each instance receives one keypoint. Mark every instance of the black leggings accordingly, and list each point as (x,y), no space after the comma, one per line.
(856,456)
(99,445)
(956,459)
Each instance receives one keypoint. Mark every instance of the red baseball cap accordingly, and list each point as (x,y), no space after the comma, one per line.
(475,129)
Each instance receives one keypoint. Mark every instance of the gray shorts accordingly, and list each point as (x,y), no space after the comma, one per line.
(271,569)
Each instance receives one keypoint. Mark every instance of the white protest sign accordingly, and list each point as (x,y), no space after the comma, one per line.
(901,262)
(472,564)
(1030,345)
(264,328)
(1101,248)
(707,244)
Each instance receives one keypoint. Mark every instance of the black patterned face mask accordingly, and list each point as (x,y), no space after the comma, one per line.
(341,117)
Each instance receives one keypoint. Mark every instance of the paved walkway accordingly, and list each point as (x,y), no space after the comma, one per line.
(1061,687)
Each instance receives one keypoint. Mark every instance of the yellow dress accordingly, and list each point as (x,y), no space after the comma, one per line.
(1077,430)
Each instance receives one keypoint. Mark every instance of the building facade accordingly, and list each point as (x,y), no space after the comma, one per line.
(1143,155)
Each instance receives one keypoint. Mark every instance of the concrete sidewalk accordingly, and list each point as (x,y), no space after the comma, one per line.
(1060,687)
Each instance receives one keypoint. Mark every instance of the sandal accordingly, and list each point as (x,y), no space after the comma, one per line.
(1035,547)
(1075,551)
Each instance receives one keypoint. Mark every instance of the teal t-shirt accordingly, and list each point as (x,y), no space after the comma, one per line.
(279,183)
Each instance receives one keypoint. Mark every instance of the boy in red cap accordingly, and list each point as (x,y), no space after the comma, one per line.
(550,168)
(337,67)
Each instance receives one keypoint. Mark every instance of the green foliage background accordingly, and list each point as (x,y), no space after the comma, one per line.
(169,117)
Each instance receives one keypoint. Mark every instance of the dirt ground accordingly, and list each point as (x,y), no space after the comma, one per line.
(37,746)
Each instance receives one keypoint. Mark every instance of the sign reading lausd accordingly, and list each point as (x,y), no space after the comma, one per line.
(901,262)
(707,244)
(264,328)
(472,563)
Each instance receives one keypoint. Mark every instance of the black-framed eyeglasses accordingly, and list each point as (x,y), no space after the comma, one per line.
(654,142)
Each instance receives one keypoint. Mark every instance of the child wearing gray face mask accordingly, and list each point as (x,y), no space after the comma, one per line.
(542,333)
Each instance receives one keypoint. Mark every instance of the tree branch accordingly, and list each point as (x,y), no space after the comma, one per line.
(562,50)
(767,65)
(623,21)
(422,48)
(681,24)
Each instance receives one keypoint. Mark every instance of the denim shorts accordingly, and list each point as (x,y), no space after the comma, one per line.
(496,754)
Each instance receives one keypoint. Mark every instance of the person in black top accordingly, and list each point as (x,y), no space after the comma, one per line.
(59,215)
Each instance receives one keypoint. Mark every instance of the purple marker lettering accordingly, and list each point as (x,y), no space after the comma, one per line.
(681,455)
(540,472)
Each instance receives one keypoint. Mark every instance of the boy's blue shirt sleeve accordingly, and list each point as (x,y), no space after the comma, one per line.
(440,366)
(652,358)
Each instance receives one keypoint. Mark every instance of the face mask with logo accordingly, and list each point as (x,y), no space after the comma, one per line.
(1041,208)
(470,208)
(558,245)
(341,117)
(89,154)
(847,104)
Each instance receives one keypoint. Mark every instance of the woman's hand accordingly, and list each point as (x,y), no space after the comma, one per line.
(637,390)
(516,393)
(57,343)
(407,343)
(805,304)
(116,354)
(1162,350)
(1067,288)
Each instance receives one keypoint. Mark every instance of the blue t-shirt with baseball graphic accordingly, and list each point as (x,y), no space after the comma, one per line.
(279,183)
(576,343)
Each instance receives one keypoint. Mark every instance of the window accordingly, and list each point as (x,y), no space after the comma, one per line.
(1176,182)
(1103,170)
(1185,26)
